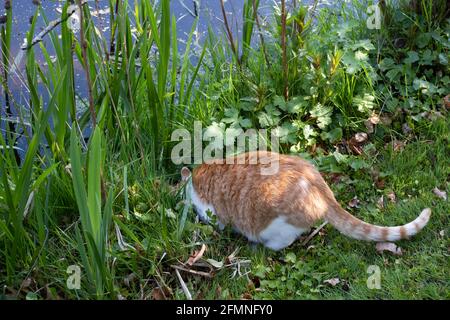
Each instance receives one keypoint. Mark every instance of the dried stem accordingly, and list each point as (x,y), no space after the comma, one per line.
(86,66)
(261,37)
(89,84)
(198,273)
(316,231)
(112,45)
(183,286)
(227,28)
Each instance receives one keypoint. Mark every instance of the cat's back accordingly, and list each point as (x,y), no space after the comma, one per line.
(259,166)
(252,189)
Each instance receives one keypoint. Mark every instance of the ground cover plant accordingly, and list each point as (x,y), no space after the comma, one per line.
(88,184)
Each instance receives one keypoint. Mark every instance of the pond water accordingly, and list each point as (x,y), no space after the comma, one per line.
(208,11)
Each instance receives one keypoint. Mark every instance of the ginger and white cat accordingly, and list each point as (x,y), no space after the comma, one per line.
(276,209)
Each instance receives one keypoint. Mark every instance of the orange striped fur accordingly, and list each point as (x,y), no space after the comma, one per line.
(295,197)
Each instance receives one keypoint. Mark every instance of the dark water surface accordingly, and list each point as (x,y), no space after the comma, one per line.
(208,11)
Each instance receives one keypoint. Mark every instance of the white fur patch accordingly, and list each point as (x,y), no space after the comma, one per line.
(279,234)
(200,206)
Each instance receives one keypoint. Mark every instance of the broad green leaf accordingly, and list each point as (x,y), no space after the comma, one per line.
(297,105)
(280,102)
(358,164)
(333,135)
(364,44)
(323,115)
(245,123)
(412,57)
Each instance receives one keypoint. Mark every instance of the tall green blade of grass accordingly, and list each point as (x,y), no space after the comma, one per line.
(248,17)
(31,73)
(194,76)
(19,195)
(164,50)
(186,62)
(163,41)
(94,222)
(66,99)
(94,196)
(5,46)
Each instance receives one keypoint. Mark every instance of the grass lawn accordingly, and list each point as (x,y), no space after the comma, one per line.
(298,272)
(93,207)
(422,272)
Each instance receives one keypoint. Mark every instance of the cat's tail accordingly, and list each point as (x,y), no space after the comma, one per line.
(358,229)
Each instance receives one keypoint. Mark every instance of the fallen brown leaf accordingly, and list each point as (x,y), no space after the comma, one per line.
(218,292)
(380,183)
(200,296)
(441,194)
(389,246)
(361,137)
(354,203)
(196,255)
(26,283)
(391,196)
(356,141)
(333,177)
(247,296)
(161,294)
(250,285)
(256,281)
(398,145)
(447,101)
(374,118)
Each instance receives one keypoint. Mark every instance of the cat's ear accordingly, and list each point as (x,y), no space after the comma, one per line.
(185,173)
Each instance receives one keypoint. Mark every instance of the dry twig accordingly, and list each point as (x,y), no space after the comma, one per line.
(314,233)
(183,286)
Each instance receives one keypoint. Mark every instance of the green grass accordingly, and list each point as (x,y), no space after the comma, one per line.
(295,273)
(112,203)
(422,271)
